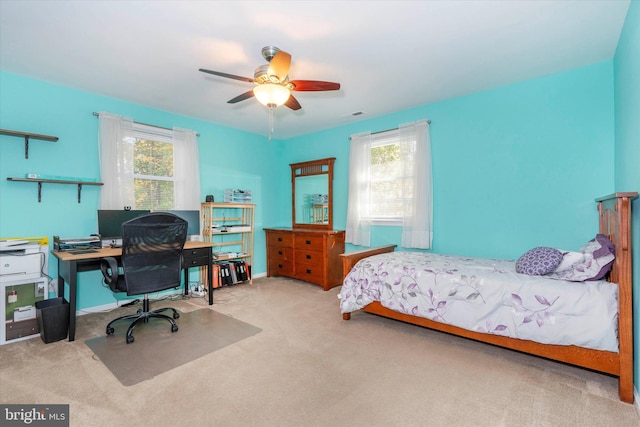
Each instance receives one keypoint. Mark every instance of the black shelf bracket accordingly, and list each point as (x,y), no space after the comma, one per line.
(55,181)
(26,136)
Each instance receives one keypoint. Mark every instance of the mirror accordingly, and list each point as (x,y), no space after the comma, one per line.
(312,194)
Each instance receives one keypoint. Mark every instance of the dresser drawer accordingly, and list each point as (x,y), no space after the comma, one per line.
(280,268)
(306,242)
(310,273)
(279,239)
(313,258)
(280,253)
(20,329)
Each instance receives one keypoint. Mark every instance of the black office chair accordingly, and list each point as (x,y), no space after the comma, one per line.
(151,261)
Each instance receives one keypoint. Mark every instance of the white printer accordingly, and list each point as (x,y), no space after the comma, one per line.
(19,260)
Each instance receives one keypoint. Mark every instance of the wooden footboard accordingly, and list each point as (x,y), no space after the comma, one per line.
(350,259)
(615,222)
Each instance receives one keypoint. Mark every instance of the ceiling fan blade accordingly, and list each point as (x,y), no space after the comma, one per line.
(279,65)
(229,76)
(293,103)
(313,85)
(242,97)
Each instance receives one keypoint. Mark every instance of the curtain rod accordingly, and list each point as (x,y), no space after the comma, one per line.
(389,130)
(144,124)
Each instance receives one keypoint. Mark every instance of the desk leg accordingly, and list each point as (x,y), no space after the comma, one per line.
(210,277)
(68,271)
(186,281)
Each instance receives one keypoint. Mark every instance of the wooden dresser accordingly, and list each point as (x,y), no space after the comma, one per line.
(311,255)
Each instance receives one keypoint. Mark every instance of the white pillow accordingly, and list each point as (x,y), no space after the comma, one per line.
(598,256)
(569,259)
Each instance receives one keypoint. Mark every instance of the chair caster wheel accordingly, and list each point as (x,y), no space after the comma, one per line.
(176,315)
(130,339)
(110,330)
(174,328)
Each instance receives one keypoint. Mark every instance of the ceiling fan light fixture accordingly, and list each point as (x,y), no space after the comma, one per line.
(271,95)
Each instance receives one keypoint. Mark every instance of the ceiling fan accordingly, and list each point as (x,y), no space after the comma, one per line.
(272,85)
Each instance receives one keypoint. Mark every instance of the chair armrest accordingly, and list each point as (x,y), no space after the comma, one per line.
(109,268)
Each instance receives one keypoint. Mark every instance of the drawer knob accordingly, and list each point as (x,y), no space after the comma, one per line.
(279,265)
(279,239)
(279,252)
(308,256)
(308,242)
(308,271)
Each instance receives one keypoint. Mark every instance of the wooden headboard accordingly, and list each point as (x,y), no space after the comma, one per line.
(615,223)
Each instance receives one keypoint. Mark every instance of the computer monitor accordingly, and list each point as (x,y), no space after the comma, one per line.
(110,222)
(192,217)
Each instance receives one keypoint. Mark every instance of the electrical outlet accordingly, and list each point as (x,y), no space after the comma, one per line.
(39,290)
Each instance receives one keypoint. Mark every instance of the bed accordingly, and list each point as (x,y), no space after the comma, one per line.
(583,323)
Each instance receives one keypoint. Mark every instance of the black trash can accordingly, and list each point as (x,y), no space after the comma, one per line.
(53,319)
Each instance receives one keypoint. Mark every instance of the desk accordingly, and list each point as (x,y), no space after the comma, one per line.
(195,254)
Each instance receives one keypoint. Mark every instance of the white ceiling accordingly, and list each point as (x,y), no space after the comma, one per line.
(387,55)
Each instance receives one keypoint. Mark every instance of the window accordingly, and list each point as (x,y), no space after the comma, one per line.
(153,169)
(147,167)
(390,184)
(387,193)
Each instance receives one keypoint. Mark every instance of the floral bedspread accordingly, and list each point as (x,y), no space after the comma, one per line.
(486,295)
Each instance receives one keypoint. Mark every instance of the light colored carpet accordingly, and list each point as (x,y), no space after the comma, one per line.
(156,349)
(308,367)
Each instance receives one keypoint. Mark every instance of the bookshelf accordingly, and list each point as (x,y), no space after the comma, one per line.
(230,228)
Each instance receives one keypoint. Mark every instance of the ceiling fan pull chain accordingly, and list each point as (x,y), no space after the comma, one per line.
(270,123)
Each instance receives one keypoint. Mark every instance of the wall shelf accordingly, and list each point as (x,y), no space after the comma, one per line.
(55,181)
(27,136)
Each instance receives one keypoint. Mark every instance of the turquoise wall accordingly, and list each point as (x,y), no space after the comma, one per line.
(514,167)
(34,106)
(627,152)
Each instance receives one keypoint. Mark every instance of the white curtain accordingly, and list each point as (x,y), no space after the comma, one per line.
(417,219)
(115,144)
(417,215)
(186,169)
(358,230)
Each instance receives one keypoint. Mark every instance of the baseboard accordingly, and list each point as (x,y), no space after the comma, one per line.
(97,309)
(114,305)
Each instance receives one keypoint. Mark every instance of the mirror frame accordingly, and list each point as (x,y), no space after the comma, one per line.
(313,167)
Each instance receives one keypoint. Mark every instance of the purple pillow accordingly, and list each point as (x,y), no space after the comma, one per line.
(606,246)
(606,249)
(539,261)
